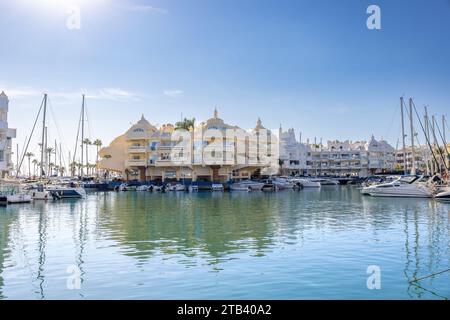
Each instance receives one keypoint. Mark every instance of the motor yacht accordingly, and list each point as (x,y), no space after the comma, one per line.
(325,181)
(282,183)
(247,185)
(408,186)
(308,183)
(66,192)
(443,194)
(217,187)
(177,187)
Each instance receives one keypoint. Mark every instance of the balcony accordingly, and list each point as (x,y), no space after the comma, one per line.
(136,163)
(137,149)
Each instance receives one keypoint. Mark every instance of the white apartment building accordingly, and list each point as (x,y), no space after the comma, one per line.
(336,158)
(6,136)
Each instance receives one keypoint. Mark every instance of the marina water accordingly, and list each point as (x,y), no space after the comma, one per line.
(304,244)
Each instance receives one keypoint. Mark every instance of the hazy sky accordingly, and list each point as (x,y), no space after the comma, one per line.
(311,65)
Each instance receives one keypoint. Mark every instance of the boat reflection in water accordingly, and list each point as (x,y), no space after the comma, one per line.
(283,245)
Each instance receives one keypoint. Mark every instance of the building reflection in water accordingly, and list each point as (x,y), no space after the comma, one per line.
(201,229)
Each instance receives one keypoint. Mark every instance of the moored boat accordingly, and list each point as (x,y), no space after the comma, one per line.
(409,187)
(307,183)
(247,185)
(19,198)
(443,194)
(325,181)
(216,187)
(63,192)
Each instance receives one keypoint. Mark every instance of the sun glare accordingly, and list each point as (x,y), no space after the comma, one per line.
(60,5)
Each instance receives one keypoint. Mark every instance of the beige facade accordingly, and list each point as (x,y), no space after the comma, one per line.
(212,151)
(6,136)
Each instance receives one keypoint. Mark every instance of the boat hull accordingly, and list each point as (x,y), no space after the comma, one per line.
(69,193)
(19,198)
(443,196)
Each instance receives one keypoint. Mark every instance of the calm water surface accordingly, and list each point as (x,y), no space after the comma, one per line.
(285,245)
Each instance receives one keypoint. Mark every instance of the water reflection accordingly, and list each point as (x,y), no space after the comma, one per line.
(223,233)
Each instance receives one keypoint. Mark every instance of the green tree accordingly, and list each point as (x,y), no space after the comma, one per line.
(35,162)
(186,124)
(97,143)
(87,143)
(29,155)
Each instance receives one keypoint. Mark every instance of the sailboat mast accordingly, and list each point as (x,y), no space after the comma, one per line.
(56,154)
(444,138)
(82,137)
(47,156)
(403,136)
(43,135)
(17,161)
(427,138)
(60,159)
(433,129)
(413,156)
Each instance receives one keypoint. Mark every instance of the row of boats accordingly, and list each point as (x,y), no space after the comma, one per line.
(412,186)
(26,193)
(272,184)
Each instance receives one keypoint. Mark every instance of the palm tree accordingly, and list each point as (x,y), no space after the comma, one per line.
(186,124)
(49,152)
(50,167)
(62,170)
(29,155)
(92,166)
(280,163)
(87,142)
(73,167)
(35,163)
(98,143)
(79,166)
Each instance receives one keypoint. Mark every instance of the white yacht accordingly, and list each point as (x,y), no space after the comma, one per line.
(216,187)
(443,194)
(143,188)
(16,194)
(282,183)
(308,183)
(19,198)
(193,188)
(177,187)
(325,181)
(409,186)
(64,192)
(247,185)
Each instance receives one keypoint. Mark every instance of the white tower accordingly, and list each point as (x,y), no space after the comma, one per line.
(6,136)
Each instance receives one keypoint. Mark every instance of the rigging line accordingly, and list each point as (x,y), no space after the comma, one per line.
(63,160)
(416,134)
(429,276)
(76,141)
(423,130)
(439,148)
(32,130)
(392,121)
(60,135)
(87,120)
(444,147)
(445,125)
(22,153)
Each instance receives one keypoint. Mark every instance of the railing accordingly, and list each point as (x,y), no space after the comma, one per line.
(140,162)
(137,149)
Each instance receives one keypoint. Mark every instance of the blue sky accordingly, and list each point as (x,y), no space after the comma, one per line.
(311,65)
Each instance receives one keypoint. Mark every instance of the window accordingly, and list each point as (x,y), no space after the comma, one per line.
(2,155)
(138,130)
